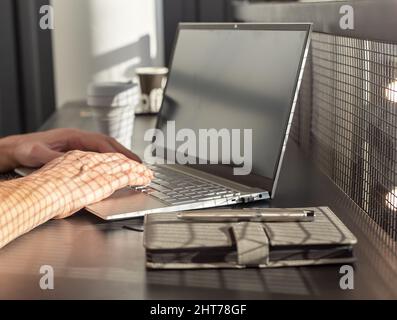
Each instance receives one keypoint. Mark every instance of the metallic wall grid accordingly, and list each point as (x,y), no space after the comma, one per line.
(347,119)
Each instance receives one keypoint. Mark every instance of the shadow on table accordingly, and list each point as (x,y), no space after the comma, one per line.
(246,283)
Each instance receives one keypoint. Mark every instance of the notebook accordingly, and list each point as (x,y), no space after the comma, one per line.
(172,243)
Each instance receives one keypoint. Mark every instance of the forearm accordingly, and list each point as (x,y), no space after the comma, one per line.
(25,204)
(7,160)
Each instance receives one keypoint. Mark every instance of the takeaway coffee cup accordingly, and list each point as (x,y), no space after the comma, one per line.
(152,81)
(113,108)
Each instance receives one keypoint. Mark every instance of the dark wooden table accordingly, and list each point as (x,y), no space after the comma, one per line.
(101,260)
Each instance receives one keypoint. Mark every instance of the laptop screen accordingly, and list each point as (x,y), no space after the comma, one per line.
(239,80)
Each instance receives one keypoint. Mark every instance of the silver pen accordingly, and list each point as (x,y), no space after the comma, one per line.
(251,215)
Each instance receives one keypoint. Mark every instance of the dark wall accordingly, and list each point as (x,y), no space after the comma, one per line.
(26,68)
(176,11)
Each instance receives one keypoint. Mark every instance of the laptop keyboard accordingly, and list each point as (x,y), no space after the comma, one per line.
(178,188)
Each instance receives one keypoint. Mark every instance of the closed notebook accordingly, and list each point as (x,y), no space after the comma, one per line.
(172,243)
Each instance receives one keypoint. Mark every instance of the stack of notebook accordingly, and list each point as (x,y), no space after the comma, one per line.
(173,243)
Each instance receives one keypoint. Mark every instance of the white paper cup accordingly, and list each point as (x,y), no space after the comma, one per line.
(113,108)
(116,122)
(111,113)
(125,141)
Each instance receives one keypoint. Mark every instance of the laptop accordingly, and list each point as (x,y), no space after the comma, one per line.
(238,83)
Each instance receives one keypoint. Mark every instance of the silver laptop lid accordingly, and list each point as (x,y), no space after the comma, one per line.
(243,77)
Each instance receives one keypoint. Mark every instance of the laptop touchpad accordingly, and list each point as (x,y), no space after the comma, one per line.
(124,201)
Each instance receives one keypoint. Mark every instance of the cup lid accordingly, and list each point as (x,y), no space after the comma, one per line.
(109,89)
(152,70)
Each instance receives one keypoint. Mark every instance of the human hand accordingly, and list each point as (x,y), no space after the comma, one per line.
(36,149)
(78,179)
(62,187)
